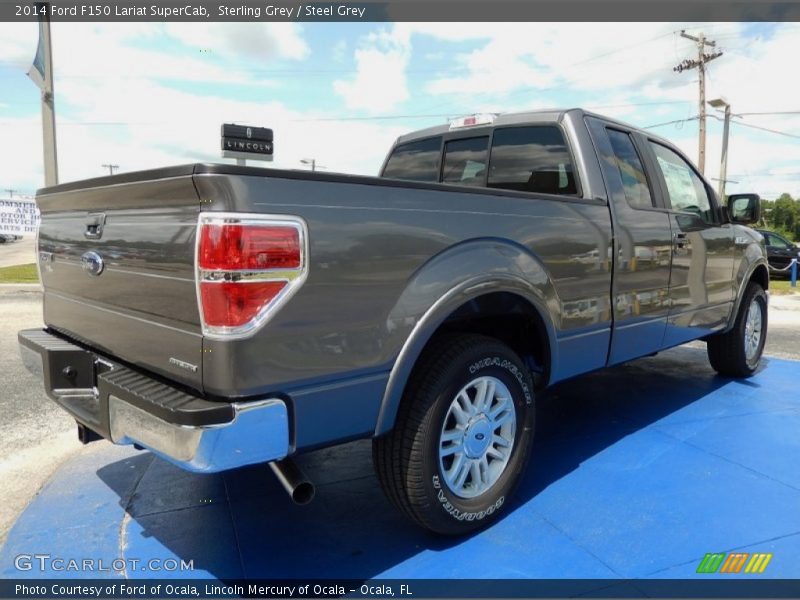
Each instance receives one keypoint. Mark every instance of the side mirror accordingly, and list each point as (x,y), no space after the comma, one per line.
(744,208)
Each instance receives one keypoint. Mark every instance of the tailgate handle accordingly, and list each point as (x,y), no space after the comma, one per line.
(94,226)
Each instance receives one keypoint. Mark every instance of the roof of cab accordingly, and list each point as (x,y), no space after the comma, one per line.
(551,115)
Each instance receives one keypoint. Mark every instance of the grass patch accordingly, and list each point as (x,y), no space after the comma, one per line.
(19,274)
(782,287)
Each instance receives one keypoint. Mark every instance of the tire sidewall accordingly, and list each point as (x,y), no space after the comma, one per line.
(756,294)
(455,513)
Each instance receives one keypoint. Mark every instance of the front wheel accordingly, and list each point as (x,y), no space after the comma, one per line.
(737,353)
(462,435)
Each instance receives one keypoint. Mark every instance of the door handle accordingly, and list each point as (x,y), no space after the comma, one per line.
(94,226)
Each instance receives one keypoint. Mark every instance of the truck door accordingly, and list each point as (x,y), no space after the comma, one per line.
(642,244)
(701,286)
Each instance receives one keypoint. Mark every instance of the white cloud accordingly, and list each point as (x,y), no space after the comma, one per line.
(520,56)
(84,51)
(756,165)
(22,160)
(259,40)
(163,126)
(117,106)
(380,82)
(495,67)
(18,44)
(119,73)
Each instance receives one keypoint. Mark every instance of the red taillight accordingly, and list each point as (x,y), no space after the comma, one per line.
(236,247)
(247,265)
(233,304)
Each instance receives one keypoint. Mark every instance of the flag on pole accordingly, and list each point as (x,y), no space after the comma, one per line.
(37,72)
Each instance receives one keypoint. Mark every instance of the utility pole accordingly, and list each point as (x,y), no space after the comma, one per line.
(723,166)
(10,192)
(110,168)
(703,58)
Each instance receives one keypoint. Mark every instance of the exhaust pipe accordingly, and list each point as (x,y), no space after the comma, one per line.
(293,480)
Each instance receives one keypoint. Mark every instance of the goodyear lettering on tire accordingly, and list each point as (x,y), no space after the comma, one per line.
(460,515)
(508,366)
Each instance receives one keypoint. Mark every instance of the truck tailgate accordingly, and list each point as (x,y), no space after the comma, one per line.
(116,258)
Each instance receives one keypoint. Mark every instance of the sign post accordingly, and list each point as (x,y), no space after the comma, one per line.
(242,142)
(41,72)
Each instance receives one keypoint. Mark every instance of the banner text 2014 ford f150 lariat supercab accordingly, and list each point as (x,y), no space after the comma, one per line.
(222,316)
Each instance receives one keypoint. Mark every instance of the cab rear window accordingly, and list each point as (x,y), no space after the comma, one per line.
(415,161)
(531,159)
(465,161)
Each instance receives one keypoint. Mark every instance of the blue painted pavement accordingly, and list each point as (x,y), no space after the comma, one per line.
(637,472)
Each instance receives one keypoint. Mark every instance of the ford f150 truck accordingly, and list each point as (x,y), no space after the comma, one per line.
(222,316)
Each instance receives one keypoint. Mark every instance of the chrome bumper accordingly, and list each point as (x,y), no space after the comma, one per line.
(245,433)
(259,432)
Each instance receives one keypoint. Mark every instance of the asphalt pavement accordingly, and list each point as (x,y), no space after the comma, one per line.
(36,436)
(21,252)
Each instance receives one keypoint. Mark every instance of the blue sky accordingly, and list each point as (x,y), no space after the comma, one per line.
(147,95)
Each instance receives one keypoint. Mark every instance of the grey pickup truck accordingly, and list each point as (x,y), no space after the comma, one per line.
(222,316)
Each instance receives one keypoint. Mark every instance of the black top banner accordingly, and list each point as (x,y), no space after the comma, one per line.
(402,10)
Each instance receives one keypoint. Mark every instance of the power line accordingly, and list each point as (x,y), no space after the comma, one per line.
(346,119)
(767,129)
(694,118)
(623,48)
(659,103)
(780,112)
(374,118)
(434,115)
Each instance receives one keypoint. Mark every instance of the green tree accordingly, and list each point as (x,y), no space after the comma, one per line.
(783,216)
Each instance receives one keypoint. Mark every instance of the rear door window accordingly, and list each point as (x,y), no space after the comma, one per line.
(634,180)
(465,161)
(415,161)
(531,159)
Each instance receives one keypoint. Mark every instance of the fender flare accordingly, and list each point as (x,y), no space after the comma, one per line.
(537,290)
(751,269)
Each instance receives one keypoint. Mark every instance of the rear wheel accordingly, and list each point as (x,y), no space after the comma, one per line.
(462,435)
(737,353)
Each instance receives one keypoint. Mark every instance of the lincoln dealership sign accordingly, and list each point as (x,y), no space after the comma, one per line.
(243,141)
(19,217)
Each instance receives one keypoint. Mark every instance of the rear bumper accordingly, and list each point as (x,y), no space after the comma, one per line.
(128,407)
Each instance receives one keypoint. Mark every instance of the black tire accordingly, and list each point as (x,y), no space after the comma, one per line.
(407,460)
(727,351)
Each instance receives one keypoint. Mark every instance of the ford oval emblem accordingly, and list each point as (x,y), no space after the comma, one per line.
(92,263)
